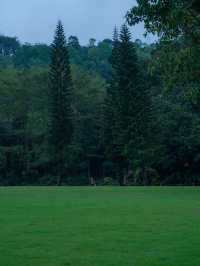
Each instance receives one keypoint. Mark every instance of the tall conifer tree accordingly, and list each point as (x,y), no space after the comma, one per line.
(130,107)
(60,105)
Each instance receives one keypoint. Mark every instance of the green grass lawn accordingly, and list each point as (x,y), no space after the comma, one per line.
(99,226)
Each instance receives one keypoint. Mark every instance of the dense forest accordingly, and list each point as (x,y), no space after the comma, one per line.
(116,112)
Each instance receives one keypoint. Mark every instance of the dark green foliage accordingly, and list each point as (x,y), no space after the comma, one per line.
(174,66)
(60,103)
(131,116)
(8,46)
(74,42)
(111,100)
(177,23)
(127,105)
(31,56)
(167,18)
(23,125)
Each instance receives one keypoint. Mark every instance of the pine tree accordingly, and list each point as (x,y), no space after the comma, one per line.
(130,108)
(60,103)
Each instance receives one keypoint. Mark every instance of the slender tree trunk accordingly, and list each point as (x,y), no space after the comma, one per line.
(59,180)
(59,170)
(92,181)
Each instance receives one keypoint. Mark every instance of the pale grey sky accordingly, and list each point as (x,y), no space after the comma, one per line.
(34,21)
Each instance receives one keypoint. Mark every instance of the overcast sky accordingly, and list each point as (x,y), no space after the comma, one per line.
(34,21)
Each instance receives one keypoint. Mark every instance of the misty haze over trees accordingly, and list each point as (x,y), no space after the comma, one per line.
(113,112)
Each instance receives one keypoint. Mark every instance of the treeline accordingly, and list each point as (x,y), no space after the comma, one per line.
(130,111)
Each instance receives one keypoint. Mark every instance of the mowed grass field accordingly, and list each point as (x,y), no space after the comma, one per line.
(108,226)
